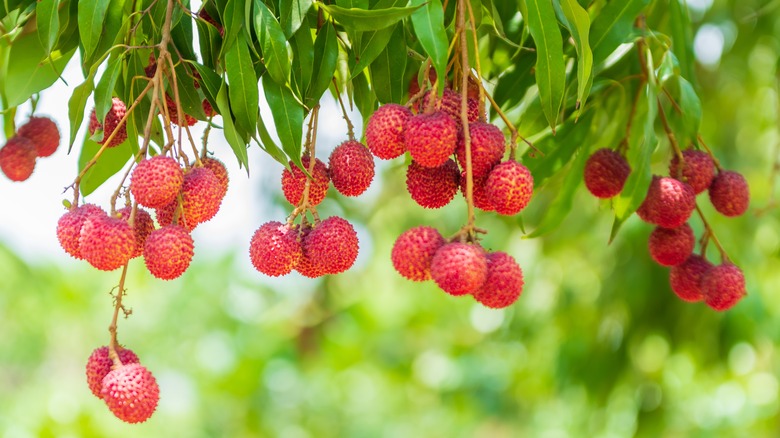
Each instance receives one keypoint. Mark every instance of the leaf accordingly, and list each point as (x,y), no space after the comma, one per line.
(513,85)
(272,43)
(686,122)
(682,38)
(371,45)
(231,135)
(190,100)
(612,26)
(428,25)
(48,21)
(113,31)
(233,19)
(559,151)
(111,161)
(91,14)
(210,82)
(303,58)
(363,20)
(365,99)
(579,26)
(76,104)
(244,96)
(326,55)
(105,87)
(550,68)
(388,69)
(31,70)
(182,38)
(288,117)
(209,42)
(269,145)
(292,15)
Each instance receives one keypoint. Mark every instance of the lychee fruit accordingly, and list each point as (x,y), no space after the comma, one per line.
(433,187)
(430,138)
(70,224)
(479,192)
(668,203)
(173,113)
(723,286)
(131,393)
(201,198)
(351,167)
(671,246)
(450,105)
(335,243)
(143,225)
(509,187)
(110,123)
(156,181)
(43,132)
(220,171)
(17,158)
(275,249)
(606,172)
(459,268)
(168,252)
(385,131)
(107,243)
(99,365)
(294,182)
(487,148)
(151,67)
(504,281)
(729,193)
(311,264)
(685,279)
(208,109)
(699,169)
(413,252)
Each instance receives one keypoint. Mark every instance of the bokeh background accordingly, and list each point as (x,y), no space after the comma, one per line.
(597,345)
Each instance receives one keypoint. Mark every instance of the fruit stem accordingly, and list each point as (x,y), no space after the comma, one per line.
(481,110)
(464,116)
(311,140)
(424,88)
(624,144)
(672,140)
(709,151)
(112,344)
(710,234)
(181,115)
(350,127)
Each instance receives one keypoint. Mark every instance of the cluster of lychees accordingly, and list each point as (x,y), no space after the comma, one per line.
(669,203)
(37,138)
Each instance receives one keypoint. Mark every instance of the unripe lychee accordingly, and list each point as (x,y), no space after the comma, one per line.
(504,281)
(143,225)
(685,279)
(413,252)
(99,365)
(131,393)
(459,268)
(107,243)
(479,195)
(430,138)
(729,193)
(168,252)
(156,181)
(43,132)
(311,264)
(173,113)
(335,242)
(668,203)
(113,117)
(220,171)
(671,246)
(487,148)
(385,131)
(605,173)
(509,187)
(433,187)
(275,249)
(351,167)
(293,183)
(699,169)
(69,227)
(723,286)
(17,159)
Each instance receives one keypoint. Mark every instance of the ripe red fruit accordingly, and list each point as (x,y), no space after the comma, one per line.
(699,169)
(107,243)
(430,138)
(208,109)
(156,181)
(671,246)
(685,279)
(173,113)
(43,132)
(487,148)
(168,252)
(413,252)
(201,198)
(450,105)
(275,249)
(294,182)
(151,66)
(481,199)
(723,286)
(69,227)
(17,158)
(729,193)
(668,203)
(334,243)
(351,168)
(131,393)
(385,131)
(459,268)
(433,187)
(606,172)
(99,365)
(504,281)
(509,187)
(220,171)
(143,225)
(114,115)
(311,264)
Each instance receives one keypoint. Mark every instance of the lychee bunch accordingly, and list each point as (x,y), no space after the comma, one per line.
(131,393)
(668,203)
(143,225)
(110,123)
(70,224)
(459,268)
(275,249)
(671,246)
(487,148)
(99,365)
(698,170)
(729,193)
(107,243)
(168,252)
(606,172)
(156,181)
(433,187)
(17,158)
(413,252)
(723,286)
(43,133)
(509,187)
(430,138)
(385,131)
(503,284)
(294,182)
(351,168)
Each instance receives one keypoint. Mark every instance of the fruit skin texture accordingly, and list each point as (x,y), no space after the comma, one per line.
(504,281)
(131,393)
(219,170)
(293,183)
(430,138)
(43,132)
(509,187)
(433,187)
(479,195)
(685,279)
(107,243)
(606,172)
(730,194)
(143,225)
(17,158)
(669,203)
(699,169)
(450,105)
(487,148)
(275,249)
(671,246)
(723,286)
(168,252)
(413,252)
(114,115)
(99,365)
(173,113)
(334,244)
(385,131)
(351,168)
(69,227)
(459,268)
(200,191)
(156,181)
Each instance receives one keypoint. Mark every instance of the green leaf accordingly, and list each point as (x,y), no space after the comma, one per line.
(550,68)
(91,15)
(365,99)
(612,27)
(233,20)
(269,145)
(326,55)
(371,45)
(182,38)
(288,117)
(363,20)
(76,104)
(244,96)
(114,30)
(111,161)
(48,21)
(682,38)
(105,87)
(210,82)
(579,26)
(293,14)
(428,25)
(190,100)
(685,122)
(31,70)
(231,135)
(388,69)
(303,58)
(272,43)
(513,85)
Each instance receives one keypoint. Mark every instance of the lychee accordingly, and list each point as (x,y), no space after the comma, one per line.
(450,105)
(311,264)
(351,167)
(433,187)
(723,286)
(699,169)
(110,123)
(168,252)
(208,109)
(504,281)
(99,365)
(668,203)
(509,187)
(294,182)
(413,252)
(430,138)
(107,243)
(17,158)
(43,132)
(479,192)
(143,225)
(156,181)
(201,194)
(220,171)
(459,268)
(131,393)
(335,243)
(385,131)
(685,279)
(729,193)
(69,227)
(275,249)
(487,148)
(606,172)
(671,246)
(173,113)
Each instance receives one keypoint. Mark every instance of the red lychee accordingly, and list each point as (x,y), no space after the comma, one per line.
(208,109)
(293,183)
(156,181)
(433,187)
(668,203)
(220,171)
(99,365)
(151,67)
(430,138)
(729,193)
(275,249)
(699,169)
(671,246)
(606,172)
(723,286)
(107,243)
(685,279)
(504,281)
(335,243)
(201,198)
(43,132)
(311,264)
(487,148)
(17,158)
(351,167)
(481,199)
(459,268)
(413,252)
(131,393)
(509,187)
(113,117)
(69,227)
(143,225)
(385,131)
(168,252)
(450,105)
(173,113)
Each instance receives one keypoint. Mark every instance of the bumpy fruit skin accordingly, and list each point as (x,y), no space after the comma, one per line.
(311,264)
(504,281)
(385,131)
(351,167)
(107,243)
(156,181)
(143,225)
(413,252)
(430,138)
(671,246)
(293,183)
(481,199)
(99,365)
(605,174)
(487,148)
(685,279)
(275,249)
(173,113)
(200,196)
(729,193)
(114,115)
(335,243)
(69,227)
(168,252)
(450,105)
(433,187)
(459,268)
(17,158)
(723,286)
(43,132)
(131,393)
(220,171)
(699,169)
(509,187)
(668,203)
